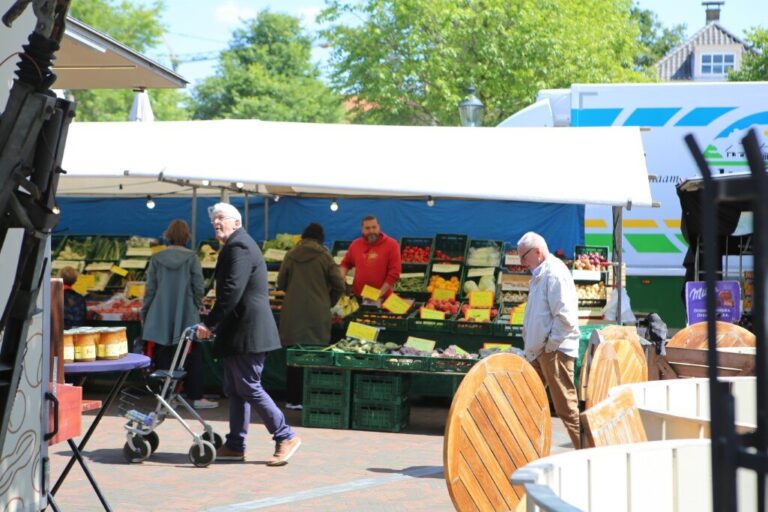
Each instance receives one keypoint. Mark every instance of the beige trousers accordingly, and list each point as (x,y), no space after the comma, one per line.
(556,372)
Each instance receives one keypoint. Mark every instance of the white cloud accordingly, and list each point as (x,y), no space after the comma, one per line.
(231,13)
(308,17)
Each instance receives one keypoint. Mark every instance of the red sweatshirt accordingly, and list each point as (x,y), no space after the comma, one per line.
(374,264)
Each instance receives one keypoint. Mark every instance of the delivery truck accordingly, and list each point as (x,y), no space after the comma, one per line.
(718,114)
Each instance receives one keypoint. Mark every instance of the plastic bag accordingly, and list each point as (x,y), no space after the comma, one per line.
(609,311)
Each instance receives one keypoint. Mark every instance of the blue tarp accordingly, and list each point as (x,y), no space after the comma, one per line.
(561,225)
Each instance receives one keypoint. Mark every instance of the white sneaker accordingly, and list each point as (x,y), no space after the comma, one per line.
(295,407)
(204,404)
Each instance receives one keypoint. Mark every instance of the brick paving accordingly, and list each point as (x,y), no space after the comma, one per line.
(339,470)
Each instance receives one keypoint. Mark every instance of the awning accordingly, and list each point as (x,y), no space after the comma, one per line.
(563,165)
(89,59)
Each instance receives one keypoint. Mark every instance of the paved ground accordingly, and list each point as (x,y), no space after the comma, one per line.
(340,470)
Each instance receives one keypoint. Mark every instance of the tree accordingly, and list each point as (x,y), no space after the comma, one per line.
(655,39)
(266,73)
(410,61)
(139,28)
(754,63)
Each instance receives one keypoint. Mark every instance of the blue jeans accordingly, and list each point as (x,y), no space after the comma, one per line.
(242,384)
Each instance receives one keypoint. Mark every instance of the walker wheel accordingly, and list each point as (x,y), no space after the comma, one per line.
(153,439)
(140,451)
(213,438)
(203,454)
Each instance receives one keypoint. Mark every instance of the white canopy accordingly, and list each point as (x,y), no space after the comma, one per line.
(563,165)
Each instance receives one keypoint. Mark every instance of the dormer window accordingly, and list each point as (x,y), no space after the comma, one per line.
(717,64)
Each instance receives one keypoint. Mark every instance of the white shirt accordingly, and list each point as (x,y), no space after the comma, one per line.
(551,314)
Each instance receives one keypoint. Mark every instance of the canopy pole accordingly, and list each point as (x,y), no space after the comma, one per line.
(245,209)
(266,218)
(194,217)
(618,236)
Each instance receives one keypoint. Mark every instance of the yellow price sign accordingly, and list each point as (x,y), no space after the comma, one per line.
(431,314)
(502,346)
(480,315)
(157,248)
(395,304)
(443,294)
(362,331)
(119,271)
(134,290)
(86,281)
(80,287)
(420,344)
(481,299)
(369,292)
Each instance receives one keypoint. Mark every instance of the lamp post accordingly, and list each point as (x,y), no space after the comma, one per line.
(471,109)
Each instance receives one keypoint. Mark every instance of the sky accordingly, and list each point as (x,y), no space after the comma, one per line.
(200,27)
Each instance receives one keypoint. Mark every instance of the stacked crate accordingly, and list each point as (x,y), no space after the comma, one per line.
(380,401)
(326,400)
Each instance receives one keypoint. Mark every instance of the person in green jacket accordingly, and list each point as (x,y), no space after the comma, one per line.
(312,284)
(174,292)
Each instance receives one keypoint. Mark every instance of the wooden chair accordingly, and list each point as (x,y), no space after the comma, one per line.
(498,422)
(615,420)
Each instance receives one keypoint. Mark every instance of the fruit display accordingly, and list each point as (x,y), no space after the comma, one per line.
(119,307)
(483,284)
(449,306)
(74,249)
(415,254)
(590,261)
(282,242)
(514,297)
(140,246)
(442,255)
(594,291)
(438,282)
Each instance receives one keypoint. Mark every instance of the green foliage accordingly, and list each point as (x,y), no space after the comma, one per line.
(139,28)
(410,61)
(267,74)
(754,64)
(655,39)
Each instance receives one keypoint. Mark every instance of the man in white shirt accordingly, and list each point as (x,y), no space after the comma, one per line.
(551,327)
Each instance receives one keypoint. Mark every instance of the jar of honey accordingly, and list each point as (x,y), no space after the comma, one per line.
(69,346)
(85,340)
(110,343)
(121,337)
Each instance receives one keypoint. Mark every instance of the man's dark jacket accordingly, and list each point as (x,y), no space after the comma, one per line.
(241,318)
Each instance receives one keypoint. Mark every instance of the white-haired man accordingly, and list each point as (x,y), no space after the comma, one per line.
(245,331)
(551,327)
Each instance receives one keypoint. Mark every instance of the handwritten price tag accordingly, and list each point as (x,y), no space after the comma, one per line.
(481,299)
(119,271)
(480,315)
(275,254)
(445,268)
(502,346)
(362,331)
(443,294)
(395,304)
(369,292)
(420,344)
(135,290)
(431,314)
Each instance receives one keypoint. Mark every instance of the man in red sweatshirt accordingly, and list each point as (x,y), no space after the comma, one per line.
(375,258)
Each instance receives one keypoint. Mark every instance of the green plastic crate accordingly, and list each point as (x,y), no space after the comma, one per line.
(474,328)
(355,360)
(322,378)
(381,417)
(381,387)
(405,362)
(451,364)
(325,399)
(504,329)
(415,323)
(309,356)
(381,318)
(325,418)
(454,246)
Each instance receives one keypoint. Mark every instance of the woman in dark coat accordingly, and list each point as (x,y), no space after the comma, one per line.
(313,284)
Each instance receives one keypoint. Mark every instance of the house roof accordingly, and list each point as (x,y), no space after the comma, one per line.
(678,63)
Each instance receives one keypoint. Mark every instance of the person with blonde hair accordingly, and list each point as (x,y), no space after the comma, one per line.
(174,293)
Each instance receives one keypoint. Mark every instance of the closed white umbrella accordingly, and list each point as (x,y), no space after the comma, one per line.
(141,110)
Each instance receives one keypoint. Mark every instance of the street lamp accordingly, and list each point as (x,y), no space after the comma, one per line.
(471,109)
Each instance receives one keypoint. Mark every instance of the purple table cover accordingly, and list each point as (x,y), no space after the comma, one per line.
(126,363)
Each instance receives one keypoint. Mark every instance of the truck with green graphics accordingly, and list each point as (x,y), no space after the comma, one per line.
(719,114)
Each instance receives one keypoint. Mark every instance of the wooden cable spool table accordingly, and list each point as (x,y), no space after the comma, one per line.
(499,421)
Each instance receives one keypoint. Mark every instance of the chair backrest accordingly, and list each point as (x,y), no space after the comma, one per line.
(615,420)
(618,359)
(728,335)
(498,422)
